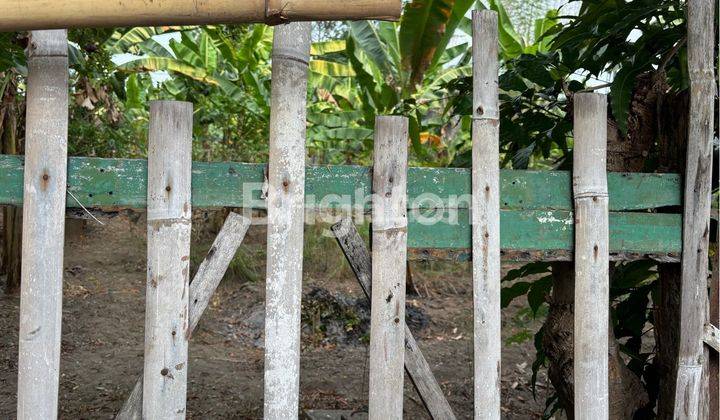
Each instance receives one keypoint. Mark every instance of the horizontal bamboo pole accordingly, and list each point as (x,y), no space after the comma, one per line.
(21,15)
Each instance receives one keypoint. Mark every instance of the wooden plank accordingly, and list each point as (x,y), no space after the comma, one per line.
(521,230)
(592,280)
(35,14)
(168,260)
(486,215)
(649,233)
(389,255)
(416,366)
(43,230)
(202,287)
(121,183)
(691,381)
(286,181)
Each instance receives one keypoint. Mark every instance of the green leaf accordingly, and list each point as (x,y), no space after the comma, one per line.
(538,290)
(186,54)
(332,69)
(133,92)
(327,47)
(621,93)
(150,64)
(422,28)
(527,270)
(508,294)
(154,48)
(511,44)
(366,37)
(458,14)
(208,53)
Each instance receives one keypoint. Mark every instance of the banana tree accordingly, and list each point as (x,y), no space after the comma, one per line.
(224,70)
(396,68)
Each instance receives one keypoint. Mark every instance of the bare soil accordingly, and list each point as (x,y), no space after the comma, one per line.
(103,318)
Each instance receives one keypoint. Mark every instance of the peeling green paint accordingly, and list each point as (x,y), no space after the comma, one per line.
(536,205)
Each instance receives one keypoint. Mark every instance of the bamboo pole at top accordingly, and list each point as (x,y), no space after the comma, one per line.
(486,215)
(691,381)
(286,219)
(19,15)
(44,225)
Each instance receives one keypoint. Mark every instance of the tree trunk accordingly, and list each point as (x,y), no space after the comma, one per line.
(672,141)
(625,154)
(12,216)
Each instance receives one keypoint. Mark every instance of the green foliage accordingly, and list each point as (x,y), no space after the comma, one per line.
(627,37)
(616,40)
(392,68)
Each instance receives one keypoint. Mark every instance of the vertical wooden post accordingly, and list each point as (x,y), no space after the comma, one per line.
(696,210)
(486,215)
(206,280)
(168,259)
(416,366)
(389,255)
(44,227)
(592,283)
(286,196)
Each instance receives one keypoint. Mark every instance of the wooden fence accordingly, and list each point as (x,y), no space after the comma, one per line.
(589,216)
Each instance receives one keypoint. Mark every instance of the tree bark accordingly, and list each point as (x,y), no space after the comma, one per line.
(626,153)
(12,216)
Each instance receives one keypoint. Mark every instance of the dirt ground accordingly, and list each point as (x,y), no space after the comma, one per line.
(103,318)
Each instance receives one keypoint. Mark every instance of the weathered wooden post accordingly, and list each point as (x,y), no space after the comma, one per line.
(206,280)
(486,215)
(416,366)
(44,225)
(168,259)
(389,255)
(696,210)
(286,219)
(592,283)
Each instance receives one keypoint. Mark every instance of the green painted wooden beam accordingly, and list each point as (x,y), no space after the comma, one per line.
(121,183)
(536,205)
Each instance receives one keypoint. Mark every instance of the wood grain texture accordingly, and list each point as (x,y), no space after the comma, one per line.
(535,216)
(202,287)
(389,256)
(486,215)
(696,210)
(285,201)
(168,260)
(43,230)
(592,282)
(416,366)
(99,182)
(47,14)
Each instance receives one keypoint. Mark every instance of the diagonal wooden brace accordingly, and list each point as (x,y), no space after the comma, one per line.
(711,337)
(206,280)
(416,366)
